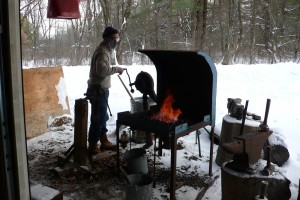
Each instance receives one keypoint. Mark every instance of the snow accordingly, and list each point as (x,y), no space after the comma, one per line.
(61,93)
(256,83)
(252,123)
(41,192)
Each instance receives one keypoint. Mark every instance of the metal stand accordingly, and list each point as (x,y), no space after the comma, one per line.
(173,140)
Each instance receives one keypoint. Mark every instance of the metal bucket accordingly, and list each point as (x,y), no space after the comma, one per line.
(136,161)
(137,104)
(140,187)
(139,136)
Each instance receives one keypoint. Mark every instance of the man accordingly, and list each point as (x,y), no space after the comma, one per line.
(98,89)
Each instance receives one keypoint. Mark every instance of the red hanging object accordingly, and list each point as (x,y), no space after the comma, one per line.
(63,9)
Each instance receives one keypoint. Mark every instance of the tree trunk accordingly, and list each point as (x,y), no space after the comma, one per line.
(124,16)
(228,54)
(204,23)
(156,28)
(197,16)
(240,26)
(267,29)
(106,11)
(169,28)
(194,25)
(252,32)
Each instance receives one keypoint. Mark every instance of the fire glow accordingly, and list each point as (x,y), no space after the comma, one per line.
(167,114)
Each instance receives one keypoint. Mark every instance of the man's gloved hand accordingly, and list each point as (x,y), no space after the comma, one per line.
(120,70)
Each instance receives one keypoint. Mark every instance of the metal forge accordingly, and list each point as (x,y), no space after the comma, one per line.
(191,78)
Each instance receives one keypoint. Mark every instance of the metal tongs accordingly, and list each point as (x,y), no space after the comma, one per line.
(130,84)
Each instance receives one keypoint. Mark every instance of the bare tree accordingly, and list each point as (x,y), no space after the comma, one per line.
(106,7)
(231,31)
(196,24)
(32,11)
(240,28)
(127,6)
(169,25)
(229,41)
(252,32)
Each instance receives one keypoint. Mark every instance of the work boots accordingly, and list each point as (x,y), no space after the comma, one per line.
(93,149)
(105,143)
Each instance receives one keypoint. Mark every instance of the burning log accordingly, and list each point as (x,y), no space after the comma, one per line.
(167,114)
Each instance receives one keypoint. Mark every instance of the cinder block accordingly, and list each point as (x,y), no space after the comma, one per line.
(42,192)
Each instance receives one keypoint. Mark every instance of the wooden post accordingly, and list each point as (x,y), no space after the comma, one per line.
(80,131)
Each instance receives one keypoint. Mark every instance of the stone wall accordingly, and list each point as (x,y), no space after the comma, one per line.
(43,88)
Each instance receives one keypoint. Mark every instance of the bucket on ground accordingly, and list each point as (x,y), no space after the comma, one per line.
(139,187)
(139,136)
(136,161)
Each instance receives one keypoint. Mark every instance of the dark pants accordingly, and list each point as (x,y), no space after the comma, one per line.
(99,116)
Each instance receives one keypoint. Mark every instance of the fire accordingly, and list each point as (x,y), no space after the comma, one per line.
(167,113)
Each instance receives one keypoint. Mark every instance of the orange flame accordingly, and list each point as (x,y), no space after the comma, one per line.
(167,113)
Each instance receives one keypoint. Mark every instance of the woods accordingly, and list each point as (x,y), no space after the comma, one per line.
(229,31)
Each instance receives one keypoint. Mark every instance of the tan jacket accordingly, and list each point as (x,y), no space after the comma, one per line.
(101,68)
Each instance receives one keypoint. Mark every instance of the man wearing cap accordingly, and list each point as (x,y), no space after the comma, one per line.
(99,83)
